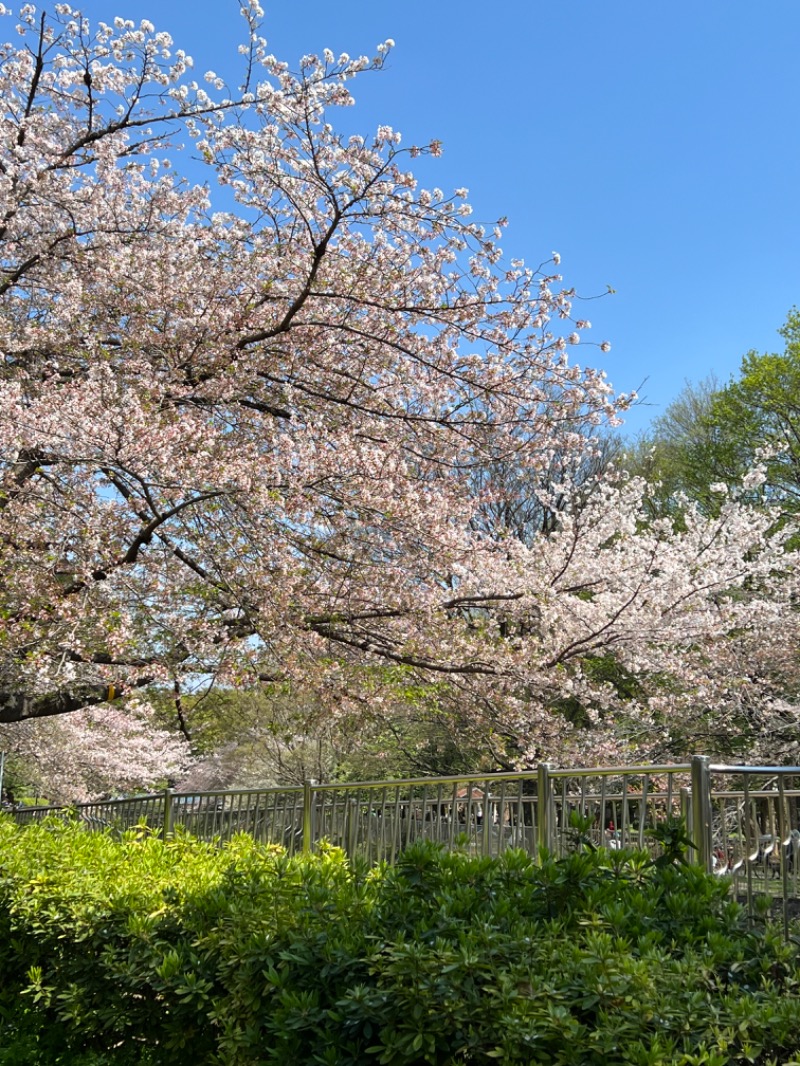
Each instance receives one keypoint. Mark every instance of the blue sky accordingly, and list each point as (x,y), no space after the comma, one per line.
(655,146)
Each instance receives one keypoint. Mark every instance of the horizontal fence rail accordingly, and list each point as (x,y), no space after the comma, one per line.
(744,821)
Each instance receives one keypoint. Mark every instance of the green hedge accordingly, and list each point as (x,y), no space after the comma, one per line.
(140,952)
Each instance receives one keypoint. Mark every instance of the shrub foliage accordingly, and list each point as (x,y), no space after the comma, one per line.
(144,953)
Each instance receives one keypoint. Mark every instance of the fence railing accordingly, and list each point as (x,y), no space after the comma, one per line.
(484,812)
(744,821)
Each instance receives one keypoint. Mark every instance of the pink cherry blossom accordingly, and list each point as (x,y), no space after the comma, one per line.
(258,443)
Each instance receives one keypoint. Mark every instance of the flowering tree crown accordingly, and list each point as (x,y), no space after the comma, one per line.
(261,442)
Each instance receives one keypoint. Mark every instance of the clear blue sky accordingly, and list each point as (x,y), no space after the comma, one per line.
(656,146)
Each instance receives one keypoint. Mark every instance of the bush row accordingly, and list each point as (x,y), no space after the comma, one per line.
(147,953)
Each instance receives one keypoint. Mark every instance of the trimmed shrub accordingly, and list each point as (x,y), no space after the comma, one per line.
(152,954)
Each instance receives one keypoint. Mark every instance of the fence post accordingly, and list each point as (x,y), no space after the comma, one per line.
(167,828)
(543,805)
(687,814)
(352,827)
(308,814)
(486,844)
(701,811)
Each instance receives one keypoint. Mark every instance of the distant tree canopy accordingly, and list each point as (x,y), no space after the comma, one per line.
(713,435)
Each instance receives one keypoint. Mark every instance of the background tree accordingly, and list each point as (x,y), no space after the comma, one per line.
(512,503)
(90,753)
(714,434)
(282,734)
(757,417)
(680,453)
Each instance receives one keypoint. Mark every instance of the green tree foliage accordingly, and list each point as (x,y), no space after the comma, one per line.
(758,417)
(679,454)
(281,734)
(714,434)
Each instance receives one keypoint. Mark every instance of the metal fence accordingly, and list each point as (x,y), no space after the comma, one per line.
(744,821)
(485,813)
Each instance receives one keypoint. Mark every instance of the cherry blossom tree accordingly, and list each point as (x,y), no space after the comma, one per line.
(93,752)
(241,425)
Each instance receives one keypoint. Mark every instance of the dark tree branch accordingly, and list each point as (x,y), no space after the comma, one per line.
(16,706)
